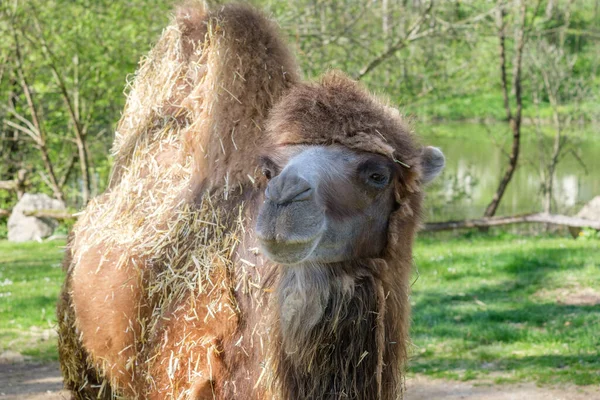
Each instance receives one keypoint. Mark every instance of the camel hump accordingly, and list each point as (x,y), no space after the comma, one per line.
(243,69)
(211,79)
(245,31)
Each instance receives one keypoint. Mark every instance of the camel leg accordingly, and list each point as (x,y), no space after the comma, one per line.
(80,376)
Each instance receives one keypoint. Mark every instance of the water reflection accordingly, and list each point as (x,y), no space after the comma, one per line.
(475,164)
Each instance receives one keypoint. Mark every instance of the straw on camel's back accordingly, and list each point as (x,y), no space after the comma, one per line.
(158,245)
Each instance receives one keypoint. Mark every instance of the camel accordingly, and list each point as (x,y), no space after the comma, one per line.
(255,239)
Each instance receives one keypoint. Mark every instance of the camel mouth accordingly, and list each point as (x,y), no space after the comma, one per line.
(288,252)
(290,233)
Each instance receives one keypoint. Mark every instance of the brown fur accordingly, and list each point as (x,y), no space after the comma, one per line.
(338,110)
(125,322)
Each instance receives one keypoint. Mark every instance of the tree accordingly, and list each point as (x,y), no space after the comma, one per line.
(514,118)
(66,65)
(553,77)
(33,124)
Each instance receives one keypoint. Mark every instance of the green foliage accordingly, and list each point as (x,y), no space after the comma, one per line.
(451,74)
(448,73)
(3,228)
(589,234)
(504,307)
(30,280)
(94,46)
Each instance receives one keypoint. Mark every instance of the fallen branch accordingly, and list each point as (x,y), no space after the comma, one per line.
(9,185)
(54,214)
(515,219)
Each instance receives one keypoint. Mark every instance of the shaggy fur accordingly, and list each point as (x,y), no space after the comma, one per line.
(166,295)
(357,346)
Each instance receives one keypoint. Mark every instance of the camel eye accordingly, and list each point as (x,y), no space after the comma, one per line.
(378,178)
(267,173)
(376,174)
(267,167)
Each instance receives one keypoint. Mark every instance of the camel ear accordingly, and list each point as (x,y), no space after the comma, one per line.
(432,163)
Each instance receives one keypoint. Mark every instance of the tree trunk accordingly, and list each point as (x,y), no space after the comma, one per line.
(9,144)
(549,9)
(513,120)
(41,141)
(84,170)
(73,111)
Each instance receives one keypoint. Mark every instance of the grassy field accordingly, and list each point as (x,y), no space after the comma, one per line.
(507,309)
(30,280)
(500,308)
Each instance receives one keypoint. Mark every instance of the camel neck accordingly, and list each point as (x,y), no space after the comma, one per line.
(327,324)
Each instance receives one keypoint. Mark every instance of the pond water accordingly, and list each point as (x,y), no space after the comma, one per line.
(475,163)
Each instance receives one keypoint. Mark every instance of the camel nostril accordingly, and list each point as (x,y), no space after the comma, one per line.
(287,188)
(305,195)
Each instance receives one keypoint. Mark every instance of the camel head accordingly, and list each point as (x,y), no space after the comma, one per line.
(336,174)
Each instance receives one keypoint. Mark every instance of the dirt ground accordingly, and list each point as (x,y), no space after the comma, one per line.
(25,381)
(423,388)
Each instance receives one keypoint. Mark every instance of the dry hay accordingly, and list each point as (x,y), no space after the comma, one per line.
(181,248)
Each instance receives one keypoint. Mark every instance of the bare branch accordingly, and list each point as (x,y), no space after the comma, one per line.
(18,184)
(414,34)
(25,87)
(38,133)
(8,185)
(579,160)
(22,119)
(68,170)
(410,36)
(27,131)
(72,109)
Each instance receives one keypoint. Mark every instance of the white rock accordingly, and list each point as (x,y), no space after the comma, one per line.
(22,228)
(591,210)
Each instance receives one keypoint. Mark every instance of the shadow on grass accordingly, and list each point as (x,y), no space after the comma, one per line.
(505,324)
(25,305)
(485,319)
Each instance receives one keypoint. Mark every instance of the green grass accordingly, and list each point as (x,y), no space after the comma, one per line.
(30,280)
(486,308)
